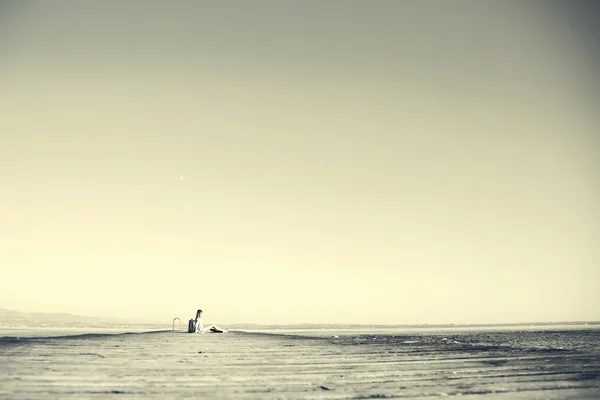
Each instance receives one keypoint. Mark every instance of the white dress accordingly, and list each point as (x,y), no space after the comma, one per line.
(196,326)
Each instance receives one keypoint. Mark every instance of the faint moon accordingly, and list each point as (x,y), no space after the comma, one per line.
(180,177)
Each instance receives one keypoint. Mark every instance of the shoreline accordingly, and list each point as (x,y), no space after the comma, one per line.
(308,328)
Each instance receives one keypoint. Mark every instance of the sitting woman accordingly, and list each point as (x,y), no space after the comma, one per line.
(196,326)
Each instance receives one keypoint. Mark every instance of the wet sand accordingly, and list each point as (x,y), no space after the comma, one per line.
(167,364)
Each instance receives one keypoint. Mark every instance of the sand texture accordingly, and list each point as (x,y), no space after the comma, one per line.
(500,365)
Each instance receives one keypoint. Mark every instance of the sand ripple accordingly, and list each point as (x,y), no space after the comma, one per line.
(505,365)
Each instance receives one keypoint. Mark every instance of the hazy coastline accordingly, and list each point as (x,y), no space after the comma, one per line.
(10,319)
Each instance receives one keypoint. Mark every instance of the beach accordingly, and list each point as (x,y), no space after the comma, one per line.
(498,364)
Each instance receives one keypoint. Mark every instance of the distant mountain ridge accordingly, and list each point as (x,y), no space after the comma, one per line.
(17,319)
(407,326)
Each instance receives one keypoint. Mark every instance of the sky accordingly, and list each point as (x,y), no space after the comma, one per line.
(278,161)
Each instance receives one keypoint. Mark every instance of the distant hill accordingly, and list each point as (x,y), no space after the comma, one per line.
(17,319)
(399,326)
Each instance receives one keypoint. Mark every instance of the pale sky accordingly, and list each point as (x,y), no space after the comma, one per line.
(373,161)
